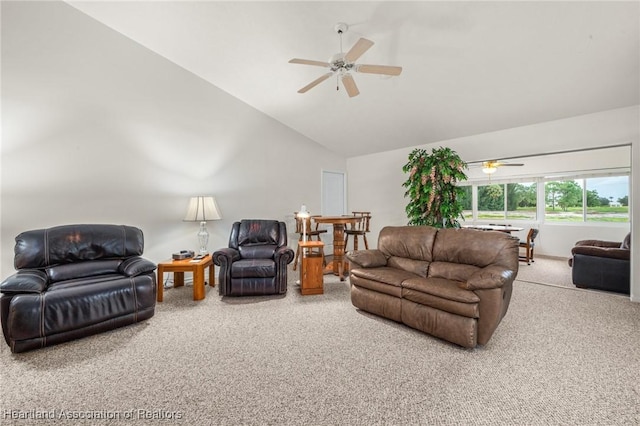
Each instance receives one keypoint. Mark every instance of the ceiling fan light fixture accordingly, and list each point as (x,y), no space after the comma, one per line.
(489,170)
(341,63)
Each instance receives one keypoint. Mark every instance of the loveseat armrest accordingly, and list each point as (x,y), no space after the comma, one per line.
(598,251)
(367,258)
(136,265)
(492,276)
(25,281)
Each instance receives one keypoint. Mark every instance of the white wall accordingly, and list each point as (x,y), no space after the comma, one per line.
(97,129)
(375,181)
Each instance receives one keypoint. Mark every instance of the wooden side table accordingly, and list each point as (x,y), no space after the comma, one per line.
(312,271)
(179,267)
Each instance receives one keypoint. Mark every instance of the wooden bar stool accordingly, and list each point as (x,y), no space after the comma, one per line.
(357,229)
(312,231)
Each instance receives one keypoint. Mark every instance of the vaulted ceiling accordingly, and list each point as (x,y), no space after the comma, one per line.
(468,67)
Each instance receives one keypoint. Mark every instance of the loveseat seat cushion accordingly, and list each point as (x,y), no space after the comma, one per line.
(443,294)
(383,280)
(63,309)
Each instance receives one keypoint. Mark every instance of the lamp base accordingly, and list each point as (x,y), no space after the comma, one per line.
(203,239)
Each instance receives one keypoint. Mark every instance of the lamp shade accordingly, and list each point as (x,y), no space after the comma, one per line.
(202,209)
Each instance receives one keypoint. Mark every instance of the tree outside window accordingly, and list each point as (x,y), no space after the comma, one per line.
(522,201)
(491,202)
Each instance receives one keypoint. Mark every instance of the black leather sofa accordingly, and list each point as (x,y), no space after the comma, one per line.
(255,263)
(602,265)
(73,281)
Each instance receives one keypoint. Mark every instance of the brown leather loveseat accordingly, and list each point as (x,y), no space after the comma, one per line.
(74,281)
(454,284)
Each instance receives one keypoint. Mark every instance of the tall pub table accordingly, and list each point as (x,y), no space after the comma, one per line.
(339,223)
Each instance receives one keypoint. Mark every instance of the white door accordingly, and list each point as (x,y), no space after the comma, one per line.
(334,201)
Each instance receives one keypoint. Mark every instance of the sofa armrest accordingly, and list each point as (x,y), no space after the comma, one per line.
(609,252)
(367,258)
(135,266)
(25,281)
(493,276)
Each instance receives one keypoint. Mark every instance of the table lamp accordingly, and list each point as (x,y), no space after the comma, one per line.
(201,209)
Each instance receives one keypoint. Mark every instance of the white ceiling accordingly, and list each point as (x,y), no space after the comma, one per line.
(468,67)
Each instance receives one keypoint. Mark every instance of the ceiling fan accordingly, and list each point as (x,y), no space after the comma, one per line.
(490,167)
(341,64)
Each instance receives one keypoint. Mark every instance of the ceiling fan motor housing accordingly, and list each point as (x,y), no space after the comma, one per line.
(341,28)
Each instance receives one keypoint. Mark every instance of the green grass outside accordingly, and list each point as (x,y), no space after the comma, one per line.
(572,214)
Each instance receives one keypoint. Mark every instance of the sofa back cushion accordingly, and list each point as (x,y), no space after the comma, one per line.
(477,248)
(408,247)
(76,243)
(409,242)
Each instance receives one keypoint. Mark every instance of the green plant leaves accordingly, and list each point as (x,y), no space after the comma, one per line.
(431,187)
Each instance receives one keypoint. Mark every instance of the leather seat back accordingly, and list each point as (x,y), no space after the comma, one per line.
(76,243)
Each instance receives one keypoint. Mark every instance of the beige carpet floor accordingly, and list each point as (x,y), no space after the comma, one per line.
(547,270)
(558,357)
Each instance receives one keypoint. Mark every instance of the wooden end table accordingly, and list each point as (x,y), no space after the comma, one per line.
(311,272)
(179,267)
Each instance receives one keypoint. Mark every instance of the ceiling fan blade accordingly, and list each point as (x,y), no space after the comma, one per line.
(379,69)
(309,62)
(315,82)
(350,85)
(358,50)
(510,164)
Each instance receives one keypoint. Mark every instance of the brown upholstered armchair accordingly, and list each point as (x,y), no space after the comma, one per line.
(602,265)
(255,263)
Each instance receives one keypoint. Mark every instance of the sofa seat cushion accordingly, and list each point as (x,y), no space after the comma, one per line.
(253,268)
(76,308)
(442,294)
(440,287)
(383,280)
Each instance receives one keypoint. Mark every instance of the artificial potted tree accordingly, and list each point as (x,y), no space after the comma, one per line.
(434,197)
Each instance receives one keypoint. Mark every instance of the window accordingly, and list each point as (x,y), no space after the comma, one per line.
(596,199)
(514,201)
(563,201)
(491,201)
(466,200)
(522,200)
(607,199)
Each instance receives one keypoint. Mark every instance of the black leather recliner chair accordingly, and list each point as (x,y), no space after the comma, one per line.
(602,265)
(255,263)
(73,281)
